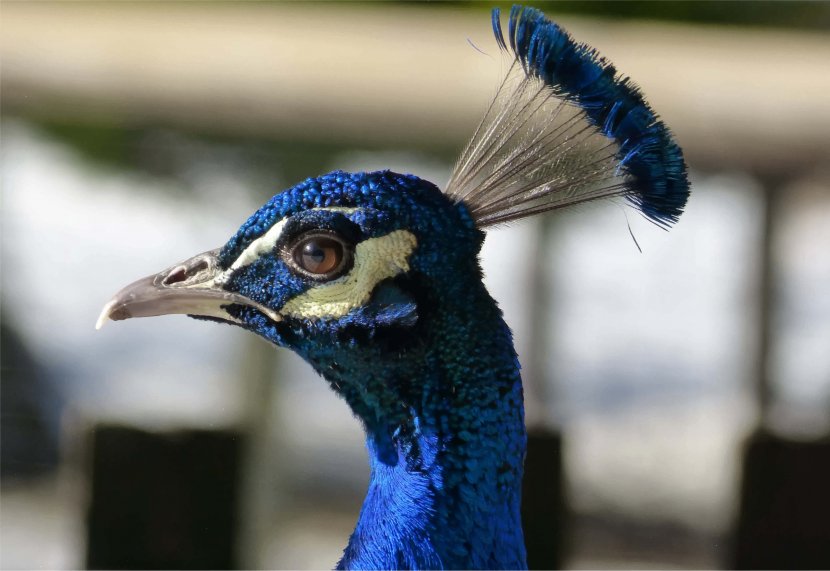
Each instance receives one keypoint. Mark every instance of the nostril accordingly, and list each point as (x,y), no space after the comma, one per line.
(178,274)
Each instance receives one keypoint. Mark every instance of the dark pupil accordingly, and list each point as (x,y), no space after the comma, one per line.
(320,255)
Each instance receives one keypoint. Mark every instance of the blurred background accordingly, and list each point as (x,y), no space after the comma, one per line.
(678,398)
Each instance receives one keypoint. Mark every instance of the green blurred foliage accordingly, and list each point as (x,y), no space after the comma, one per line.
(108,145)
(780,14)
(161,151)
(810,15)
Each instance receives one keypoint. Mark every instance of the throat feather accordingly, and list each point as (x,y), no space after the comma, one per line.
(446,476)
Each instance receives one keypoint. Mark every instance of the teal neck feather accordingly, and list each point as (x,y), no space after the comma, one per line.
(447,468)
(427,364)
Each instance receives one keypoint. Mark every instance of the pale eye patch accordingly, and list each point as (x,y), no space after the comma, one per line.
(375,260)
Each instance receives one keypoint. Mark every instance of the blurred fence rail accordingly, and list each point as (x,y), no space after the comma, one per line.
(749,99)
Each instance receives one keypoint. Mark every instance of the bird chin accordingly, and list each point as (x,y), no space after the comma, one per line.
(228,321)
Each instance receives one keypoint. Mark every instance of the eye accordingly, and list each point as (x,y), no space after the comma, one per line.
(320,255)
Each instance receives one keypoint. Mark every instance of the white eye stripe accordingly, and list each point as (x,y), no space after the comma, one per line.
(255,249)
(267,242)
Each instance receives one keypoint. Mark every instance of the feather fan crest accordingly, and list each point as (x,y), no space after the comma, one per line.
(565,128)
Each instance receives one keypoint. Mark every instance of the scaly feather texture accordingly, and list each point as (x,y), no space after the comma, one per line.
(428,366)
(374,279)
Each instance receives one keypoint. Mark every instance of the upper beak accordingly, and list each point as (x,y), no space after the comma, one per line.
(192,287)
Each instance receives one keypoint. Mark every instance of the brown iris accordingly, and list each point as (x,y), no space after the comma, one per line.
(319,255)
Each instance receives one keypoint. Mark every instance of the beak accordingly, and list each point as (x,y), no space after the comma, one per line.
(193,287)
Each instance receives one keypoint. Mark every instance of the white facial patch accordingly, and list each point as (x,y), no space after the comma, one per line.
(375,260)
(266,243)
(255,249)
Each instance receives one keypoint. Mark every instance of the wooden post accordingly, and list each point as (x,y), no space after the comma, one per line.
(544,515)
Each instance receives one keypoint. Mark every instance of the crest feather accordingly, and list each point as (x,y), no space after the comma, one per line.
(565,128)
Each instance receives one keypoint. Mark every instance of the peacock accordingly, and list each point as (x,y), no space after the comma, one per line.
(374,279)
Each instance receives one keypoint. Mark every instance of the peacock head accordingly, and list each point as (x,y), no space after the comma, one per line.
(343,254)
(343,269)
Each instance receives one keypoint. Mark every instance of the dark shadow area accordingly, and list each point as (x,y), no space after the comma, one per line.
(30,409)
(163,500)
(782,522)
(544,516)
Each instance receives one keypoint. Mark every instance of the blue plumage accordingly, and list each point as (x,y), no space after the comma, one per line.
(443,420)
(646,150)
(374,279)
(566,128)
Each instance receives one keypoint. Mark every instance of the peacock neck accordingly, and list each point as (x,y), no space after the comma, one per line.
(446,473)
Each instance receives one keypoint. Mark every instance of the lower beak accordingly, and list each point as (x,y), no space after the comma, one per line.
(192,287)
